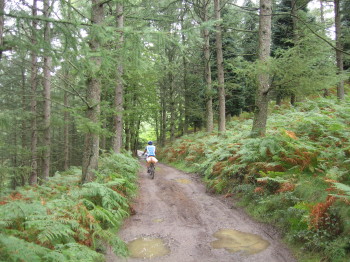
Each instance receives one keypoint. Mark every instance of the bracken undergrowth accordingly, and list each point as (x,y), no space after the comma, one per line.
(62,220)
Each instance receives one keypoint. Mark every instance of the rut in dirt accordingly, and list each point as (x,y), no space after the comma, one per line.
(177,220)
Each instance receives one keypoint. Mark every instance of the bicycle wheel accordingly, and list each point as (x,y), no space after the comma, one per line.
(151,170)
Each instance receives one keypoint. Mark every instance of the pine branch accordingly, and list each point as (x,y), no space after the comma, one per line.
(45,19)
(319,36)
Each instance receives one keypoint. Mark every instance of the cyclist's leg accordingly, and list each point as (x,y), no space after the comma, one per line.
(149,161)
(148,164)
(152,167)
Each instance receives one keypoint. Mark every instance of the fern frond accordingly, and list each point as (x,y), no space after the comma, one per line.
(14,214)
(15,249)
(55,232)
(104,196)
(77,252)
(106,217)
(344,188)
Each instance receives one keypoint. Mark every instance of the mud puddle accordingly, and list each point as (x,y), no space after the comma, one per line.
(147,248)
(183,181)
(237,241)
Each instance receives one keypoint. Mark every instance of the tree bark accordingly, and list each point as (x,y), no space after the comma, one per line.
(66,148)
(186,94)
(172,103)
(118,102)
(293,99)
(261,99)
(163,114)
(66,133)
(206,50)
(339,46)
(47,96)
(2,9)
(295,38)
(278,99)
(322,12)
(91,143)
(220,67)
(33,179)
(24,109)
(325,91)
(127,135)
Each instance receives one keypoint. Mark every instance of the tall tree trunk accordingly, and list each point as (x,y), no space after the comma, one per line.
(24,142)
(33,179)
(279,99)
(135,121)
(163,114)
(127,135)
(66,132)
(325,91)
(261,99)
(2,9)
(186,95)
(127,120)
(118,121)
(295,38)
(135,136)
(339,46)
(206,49)
(24,109)
(172,105)
(156,117)
(66,146)
(47,96)
(91,143)
(293,99)
(322,12)
(220,65)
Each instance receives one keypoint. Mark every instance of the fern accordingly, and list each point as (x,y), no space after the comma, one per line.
(53,232)
(15,249)
(343,188)
(111,218)
(16,213)
(77,252)
(103,196)
(68,219)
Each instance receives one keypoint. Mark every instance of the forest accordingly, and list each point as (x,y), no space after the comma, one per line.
(251,95)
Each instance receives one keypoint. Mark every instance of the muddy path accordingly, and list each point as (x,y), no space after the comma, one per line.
(175,209)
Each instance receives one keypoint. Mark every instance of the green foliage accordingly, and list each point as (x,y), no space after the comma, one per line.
(345,189)
(63,221)
(16,249)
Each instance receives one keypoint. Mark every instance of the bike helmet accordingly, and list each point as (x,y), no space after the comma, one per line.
(150,142)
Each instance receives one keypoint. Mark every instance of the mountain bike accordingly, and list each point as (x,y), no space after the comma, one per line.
(151,170)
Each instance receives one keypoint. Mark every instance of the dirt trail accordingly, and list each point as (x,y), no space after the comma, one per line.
(176,208)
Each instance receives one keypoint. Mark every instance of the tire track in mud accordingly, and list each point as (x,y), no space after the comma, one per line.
(175,207)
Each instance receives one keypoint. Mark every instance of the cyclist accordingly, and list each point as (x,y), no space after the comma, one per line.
(150,152)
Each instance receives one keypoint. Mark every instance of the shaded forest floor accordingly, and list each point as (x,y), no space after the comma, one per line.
(176,209)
